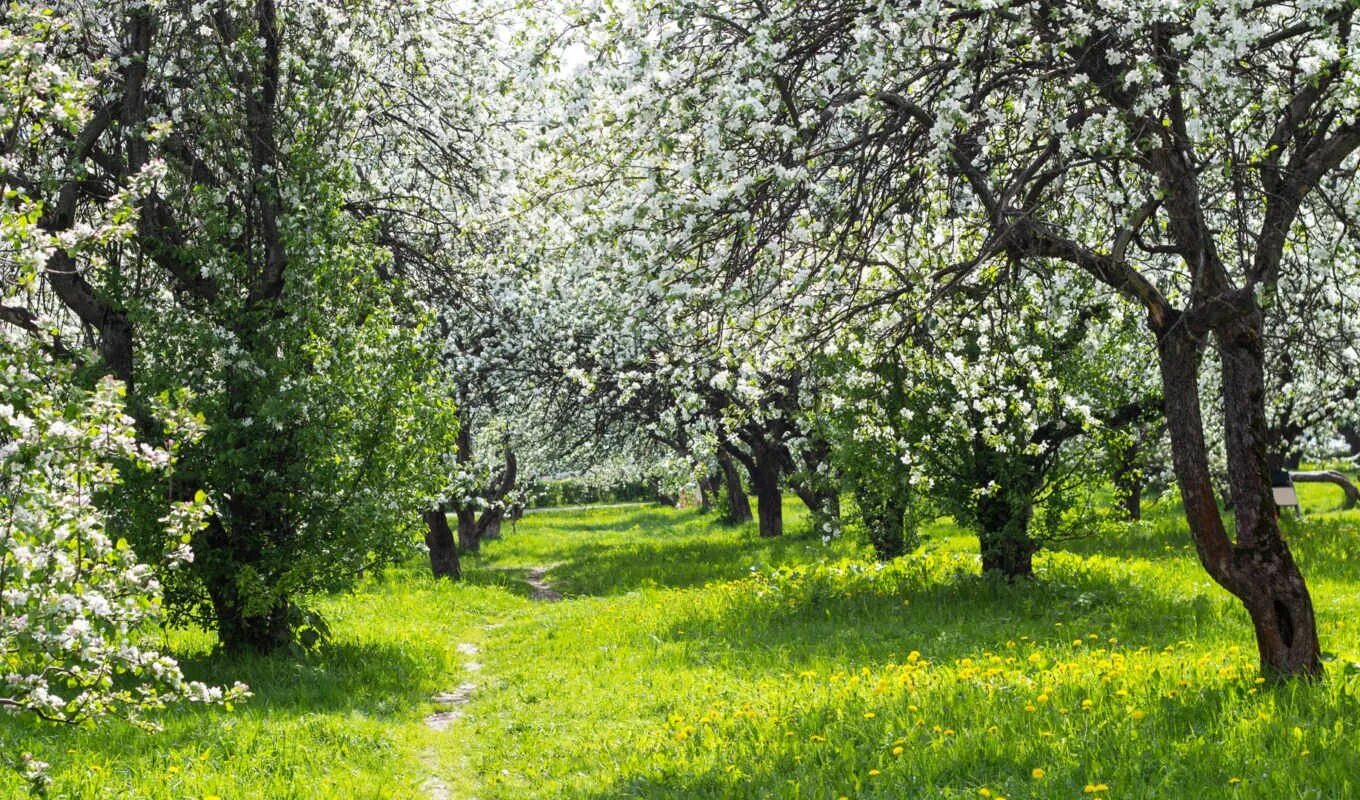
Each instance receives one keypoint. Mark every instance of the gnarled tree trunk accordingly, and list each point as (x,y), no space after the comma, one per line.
(1330,476)
(1257,568)
(738,506)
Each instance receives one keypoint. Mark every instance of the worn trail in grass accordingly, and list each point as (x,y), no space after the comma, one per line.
(692,660)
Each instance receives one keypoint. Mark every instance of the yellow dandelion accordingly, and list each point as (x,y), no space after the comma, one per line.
(1037,773)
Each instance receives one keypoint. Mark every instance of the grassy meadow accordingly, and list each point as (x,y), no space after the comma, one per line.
(694,660)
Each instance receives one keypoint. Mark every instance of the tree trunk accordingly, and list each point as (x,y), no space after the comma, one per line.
(443,554)
(1003,535)
(769,503)
(240,632)
(1128,481)
(820,500)
(885,523)
(468,540)
(492,529)
(1330,476)
(708,489)
(1258,568)
(1351,435)
(738,506)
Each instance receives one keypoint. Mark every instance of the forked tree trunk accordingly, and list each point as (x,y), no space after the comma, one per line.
(738,506)
(1258,568)
(708,488)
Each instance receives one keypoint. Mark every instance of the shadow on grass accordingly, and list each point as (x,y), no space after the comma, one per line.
(946,611)
(614,568)
(512,579)
(341,704)
(655,519)
(377,680)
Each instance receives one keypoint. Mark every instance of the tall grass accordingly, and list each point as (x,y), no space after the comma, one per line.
(694,660)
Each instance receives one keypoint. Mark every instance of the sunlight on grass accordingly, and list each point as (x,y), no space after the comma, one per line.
(696,660)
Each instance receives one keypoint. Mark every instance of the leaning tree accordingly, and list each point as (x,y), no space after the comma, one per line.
(1174,153)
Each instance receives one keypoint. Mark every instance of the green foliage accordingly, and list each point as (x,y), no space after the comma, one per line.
(676,670)
(327,428)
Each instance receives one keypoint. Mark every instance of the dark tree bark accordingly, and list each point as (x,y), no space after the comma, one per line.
(823,500)
(1128,481)
(468,540)
(473,527)
(738,506)
(1351,435)
(818,492)
(443,553)
(1258,569)
(240,632)
(708,490)
(1331,476)
(240,627)
(764,470)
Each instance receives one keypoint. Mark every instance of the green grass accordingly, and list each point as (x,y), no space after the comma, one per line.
(676,670)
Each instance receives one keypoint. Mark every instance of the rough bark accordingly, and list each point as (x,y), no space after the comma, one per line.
(1331,476)
(443,552)
(738,506)
(764,472)
(1258,568)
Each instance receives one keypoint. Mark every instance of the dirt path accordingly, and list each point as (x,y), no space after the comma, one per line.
(450,706)
(543,591)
